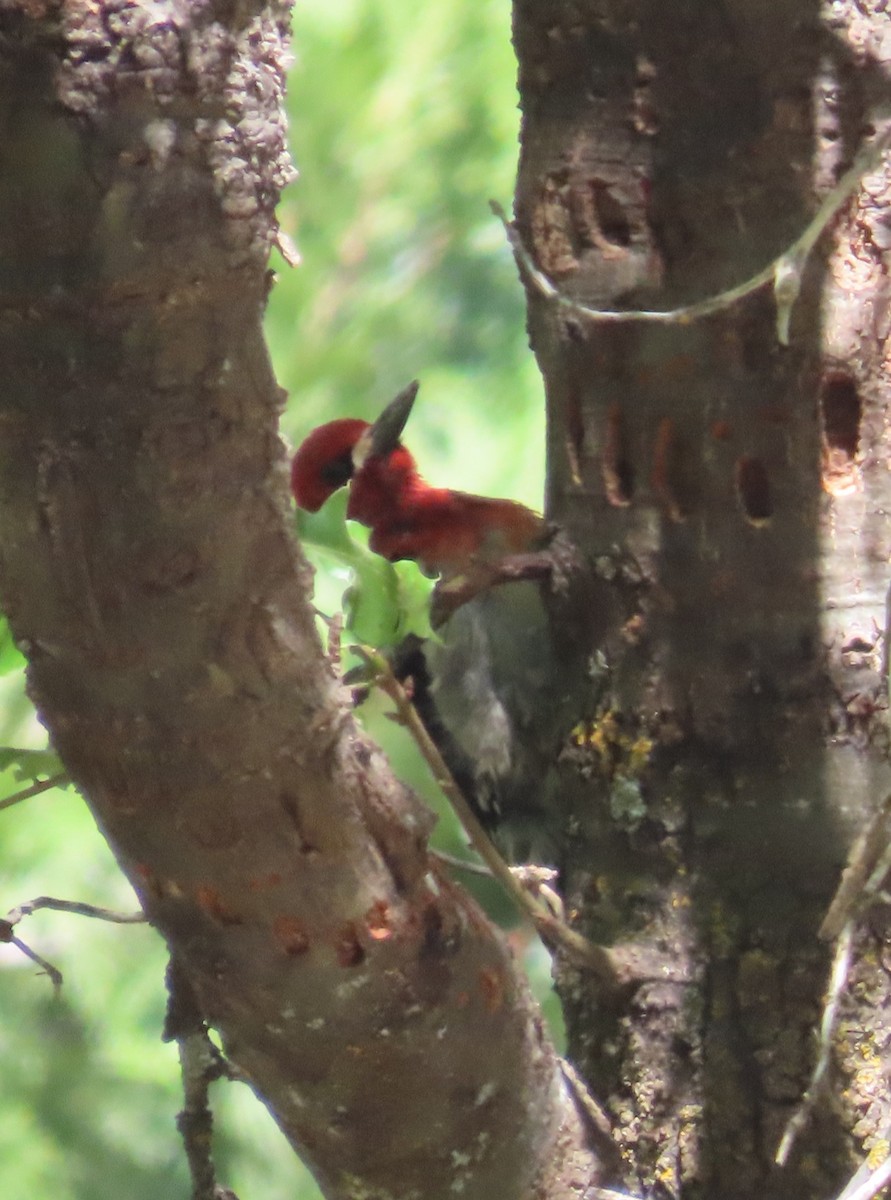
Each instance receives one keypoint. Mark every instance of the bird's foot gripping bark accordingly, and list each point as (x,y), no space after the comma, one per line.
(553,563)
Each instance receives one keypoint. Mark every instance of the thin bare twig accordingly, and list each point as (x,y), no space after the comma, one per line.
(865,1182)
(871,1185)
(869,862)
(55,975)
(841,965)
(585,1100)
(201,1063)
(462,864)
(598,959)
(73,906)
(15,915)
(35,789)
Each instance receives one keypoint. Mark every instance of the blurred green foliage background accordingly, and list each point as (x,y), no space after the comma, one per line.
(402,128)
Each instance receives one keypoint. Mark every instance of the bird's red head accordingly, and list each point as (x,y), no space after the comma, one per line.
(324,461)
(334,454)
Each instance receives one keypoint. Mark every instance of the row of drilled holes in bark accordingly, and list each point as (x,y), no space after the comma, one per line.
(841,412)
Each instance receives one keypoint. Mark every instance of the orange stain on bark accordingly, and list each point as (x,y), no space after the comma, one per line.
(492,985)
(260,883)
(211,902)
(377,921)
(291,935)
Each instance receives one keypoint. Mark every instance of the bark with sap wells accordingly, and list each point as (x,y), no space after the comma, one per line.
(732,492)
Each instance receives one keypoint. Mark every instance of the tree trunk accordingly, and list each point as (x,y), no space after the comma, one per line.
(149,574)
(732,493)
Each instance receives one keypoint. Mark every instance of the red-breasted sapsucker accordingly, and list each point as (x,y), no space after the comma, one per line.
(498,687)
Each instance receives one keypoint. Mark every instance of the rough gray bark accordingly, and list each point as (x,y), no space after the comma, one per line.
(148,572)
(732,493)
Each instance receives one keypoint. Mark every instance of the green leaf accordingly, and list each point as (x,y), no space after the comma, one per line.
(384,601)
(11,658)
(327,529)
(30,766)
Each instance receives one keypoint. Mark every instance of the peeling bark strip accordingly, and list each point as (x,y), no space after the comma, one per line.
(148,572)
(746,601)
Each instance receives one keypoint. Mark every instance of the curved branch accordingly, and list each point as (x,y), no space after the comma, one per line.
(148,572)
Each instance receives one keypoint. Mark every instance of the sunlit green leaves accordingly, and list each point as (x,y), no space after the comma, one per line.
(11,658)
(383,601)
(30,765)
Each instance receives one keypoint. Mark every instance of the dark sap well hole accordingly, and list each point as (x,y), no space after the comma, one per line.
(611,217)
(842,413)
(625,482)
(753,487)
(618,474)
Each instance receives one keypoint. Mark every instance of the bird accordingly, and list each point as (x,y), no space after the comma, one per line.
(446,532)
(496,687)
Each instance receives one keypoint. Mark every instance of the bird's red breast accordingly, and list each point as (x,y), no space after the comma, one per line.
(447,532)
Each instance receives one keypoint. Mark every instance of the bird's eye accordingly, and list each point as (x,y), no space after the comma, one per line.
(339,471)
